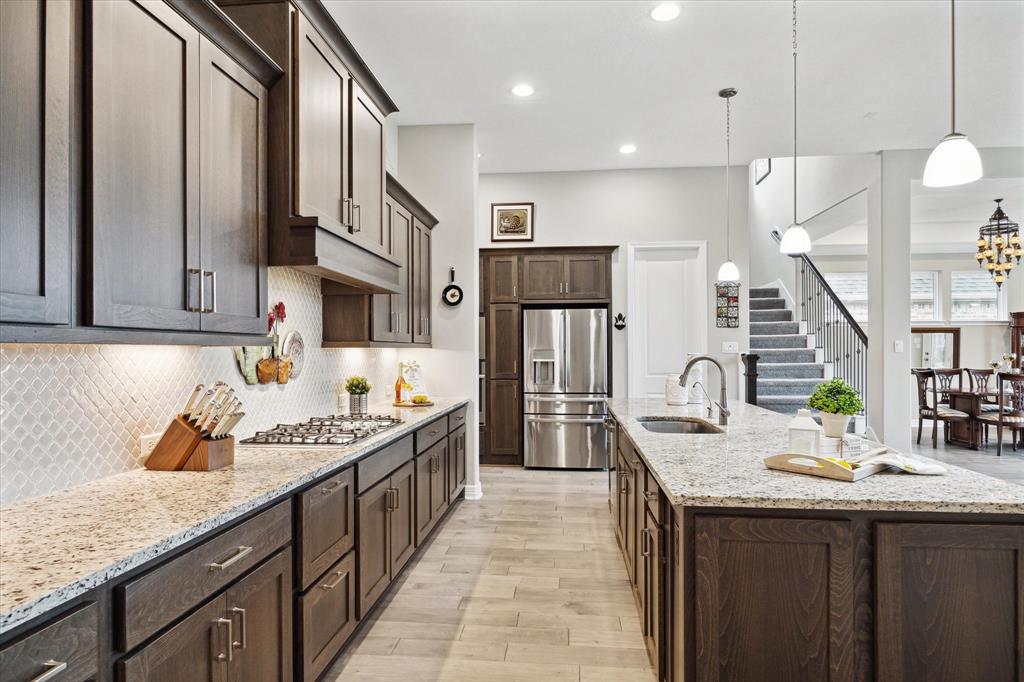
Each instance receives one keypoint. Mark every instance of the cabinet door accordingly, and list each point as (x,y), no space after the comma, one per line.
(233,227)
(197,648)
(503,279)
(621,508)
(403,517)
(382,314)
(750,572)
(320,166)
(327,616)
(439,482)
(424,506)
(949,601)
(654,600)
(505,417)
(71,642)
(372,510)
(421,301)
(456,462)
(367,224)
(326,525)
(35,161)
(391,311)
(543,277)
(144,172)
(260,609)
(503,340)
(586,276)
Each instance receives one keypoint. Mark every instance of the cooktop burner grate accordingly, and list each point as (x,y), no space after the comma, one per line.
(333,430)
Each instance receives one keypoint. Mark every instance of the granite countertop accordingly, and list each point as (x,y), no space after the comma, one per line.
(56,547)
(727,470)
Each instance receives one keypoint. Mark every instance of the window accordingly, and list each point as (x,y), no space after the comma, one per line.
(975,296)
(924,305)
(852,290)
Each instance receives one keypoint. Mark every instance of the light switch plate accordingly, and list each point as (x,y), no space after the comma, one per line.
(148,442)
(897,346)
(730,346)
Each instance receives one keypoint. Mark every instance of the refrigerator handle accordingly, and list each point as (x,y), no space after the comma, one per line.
(565,350)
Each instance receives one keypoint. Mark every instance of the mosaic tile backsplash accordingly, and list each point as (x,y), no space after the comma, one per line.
(70,414)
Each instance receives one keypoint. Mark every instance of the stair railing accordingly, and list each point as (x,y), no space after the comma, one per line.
(843,342)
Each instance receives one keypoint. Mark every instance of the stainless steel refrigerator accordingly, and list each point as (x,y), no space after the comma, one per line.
(565,354)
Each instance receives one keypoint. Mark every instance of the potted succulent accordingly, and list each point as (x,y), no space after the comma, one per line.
(357,389)
(837,402)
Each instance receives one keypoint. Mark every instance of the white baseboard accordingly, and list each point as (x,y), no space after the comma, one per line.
(474,492)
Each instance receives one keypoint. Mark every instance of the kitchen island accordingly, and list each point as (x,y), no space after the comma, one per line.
(742,573)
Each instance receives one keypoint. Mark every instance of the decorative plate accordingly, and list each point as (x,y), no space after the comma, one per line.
(294,348)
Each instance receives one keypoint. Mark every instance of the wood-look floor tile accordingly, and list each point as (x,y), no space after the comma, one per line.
(605,657)
(490,650)
(535,619)
(491,633)
(627,639)
(590,673)
(426,669)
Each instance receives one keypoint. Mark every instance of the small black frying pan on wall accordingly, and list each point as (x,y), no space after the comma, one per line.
(452,294)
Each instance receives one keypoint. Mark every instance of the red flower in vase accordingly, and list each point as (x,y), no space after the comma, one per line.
(271,319)
(279,310)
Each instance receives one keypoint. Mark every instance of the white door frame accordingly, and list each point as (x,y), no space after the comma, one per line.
(635,333)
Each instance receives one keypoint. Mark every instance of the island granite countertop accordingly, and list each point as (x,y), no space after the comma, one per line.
(56,547)
(727,470)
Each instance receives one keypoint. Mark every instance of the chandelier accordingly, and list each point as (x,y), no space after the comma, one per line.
(999,247)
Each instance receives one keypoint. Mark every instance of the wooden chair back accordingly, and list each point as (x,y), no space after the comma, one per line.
(979,380)
(944,382)
(1011,394)
(924,377)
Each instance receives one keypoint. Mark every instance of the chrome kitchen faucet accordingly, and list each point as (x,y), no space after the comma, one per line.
(723,399)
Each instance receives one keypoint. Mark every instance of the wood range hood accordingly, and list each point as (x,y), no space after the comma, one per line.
(328,252)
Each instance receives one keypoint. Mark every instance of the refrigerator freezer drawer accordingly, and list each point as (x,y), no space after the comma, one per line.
(565,442)
(565,404)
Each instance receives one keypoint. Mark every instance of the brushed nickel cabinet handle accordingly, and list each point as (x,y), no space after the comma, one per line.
(346,204)
(515,291)
(645,542)
(221,656)
(202,291)
(53,669)
(212,274)
(242,552)
(357,225)
(328,489)
(398,500)
(338,577)
(651,496)
(241,626)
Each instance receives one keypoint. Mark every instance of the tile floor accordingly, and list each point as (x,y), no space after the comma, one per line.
(1009,467)
(526,584)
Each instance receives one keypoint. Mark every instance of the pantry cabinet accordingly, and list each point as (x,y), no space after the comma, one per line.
(36,220)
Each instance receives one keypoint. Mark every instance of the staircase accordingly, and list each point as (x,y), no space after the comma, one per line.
(789,368)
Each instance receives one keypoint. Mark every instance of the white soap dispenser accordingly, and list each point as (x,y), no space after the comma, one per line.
(804,434)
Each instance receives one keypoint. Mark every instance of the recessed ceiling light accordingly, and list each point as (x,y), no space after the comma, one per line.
(666,11)
(522,90)
(627,149)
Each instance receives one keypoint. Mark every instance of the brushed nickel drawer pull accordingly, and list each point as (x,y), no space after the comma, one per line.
(241,626)
(347,203)
(202,291)
(230,654)
(358,226)
(398,500)
(340,575)
(53,668)
(242,552)
(328,489)
(651,496)
(213,291)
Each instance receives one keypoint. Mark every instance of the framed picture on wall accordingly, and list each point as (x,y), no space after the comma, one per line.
(512,222)
(762,167)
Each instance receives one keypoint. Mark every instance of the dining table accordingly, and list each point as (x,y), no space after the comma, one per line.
(969,433)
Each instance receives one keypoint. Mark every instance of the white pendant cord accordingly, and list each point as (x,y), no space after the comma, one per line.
(728,239)
(952,66)
(794,113)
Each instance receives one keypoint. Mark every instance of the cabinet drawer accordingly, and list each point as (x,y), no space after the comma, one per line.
(457,418)
(381,463)
(328,616)
(427,435)
(70,643)
(326,524)
(145,605)
(653,496)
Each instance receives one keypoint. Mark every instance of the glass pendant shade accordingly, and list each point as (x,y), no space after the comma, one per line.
(728,272)
(795,241)
(955,161)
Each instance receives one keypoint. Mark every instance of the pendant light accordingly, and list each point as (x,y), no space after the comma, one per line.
(728,272)
(795,239)
(955,161)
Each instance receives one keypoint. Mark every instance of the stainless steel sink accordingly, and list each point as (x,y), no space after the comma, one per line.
(687,425)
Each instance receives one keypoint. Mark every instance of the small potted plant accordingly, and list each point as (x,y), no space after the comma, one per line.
(837,402)
(357,388)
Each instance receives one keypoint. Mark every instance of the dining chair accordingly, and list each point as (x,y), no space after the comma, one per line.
(944,379)
(1010,412)
(934,411)
(982,381)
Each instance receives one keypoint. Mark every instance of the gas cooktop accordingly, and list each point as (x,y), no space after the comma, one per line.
(335,430)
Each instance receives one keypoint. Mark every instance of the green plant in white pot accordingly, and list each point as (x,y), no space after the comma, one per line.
(837,401)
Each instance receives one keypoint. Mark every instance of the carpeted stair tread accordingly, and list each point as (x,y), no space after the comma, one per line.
(791,370)
(767,304)
(774,328)
(771,315)
(786,355)
(778,341)
(764,292)
(786,386)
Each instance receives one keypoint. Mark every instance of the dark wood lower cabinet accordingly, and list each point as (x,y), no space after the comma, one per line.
(194,649)
(456,473)
(504,435)
(327,616)
(372,510)
(950,602)
(71,641)
(403,517)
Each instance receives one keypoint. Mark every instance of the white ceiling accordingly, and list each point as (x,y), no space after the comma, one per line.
(873,74)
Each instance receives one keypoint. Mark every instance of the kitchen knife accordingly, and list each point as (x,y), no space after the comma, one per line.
(221,426)
(192,400)
(231,405)
(204,417)
(224,427)
(200,406)
(221,390)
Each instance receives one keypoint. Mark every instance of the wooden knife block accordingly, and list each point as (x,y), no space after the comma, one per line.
(183,447)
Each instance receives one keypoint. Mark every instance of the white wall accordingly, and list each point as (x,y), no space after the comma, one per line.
(623,206)
(439,168)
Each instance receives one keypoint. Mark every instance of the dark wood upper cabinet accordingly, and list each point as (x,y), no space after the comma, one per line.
(503,341)
(35,161)
(543,276)
(391,312)
(233,225)
(502,278)
(586,276)
(775,595)
(422,303)
(949,601)
(321,129)
(367,222)
(143,226)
